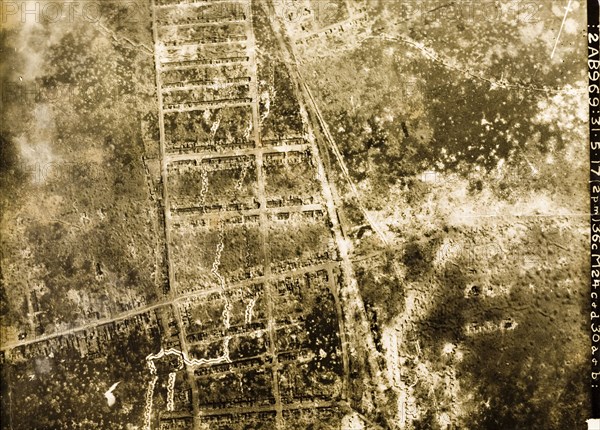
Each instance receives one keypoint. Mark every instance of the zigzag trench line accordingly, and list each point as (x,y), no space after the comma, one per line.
(184,360)
(171,392)
(215,271)
(248,311)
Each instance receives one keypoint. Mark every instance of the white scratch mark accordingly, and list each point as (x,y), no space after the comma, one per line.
(567,10)
(110,397)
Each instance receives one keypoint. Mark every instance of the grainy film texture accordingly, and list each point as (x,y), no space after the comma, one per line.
(294,214)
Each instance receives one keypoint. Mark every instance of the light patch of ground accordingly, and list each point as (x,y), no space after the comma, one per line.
(38,158)
(445,386)
(446,252)
(352,422)
(458,208)
(48,209)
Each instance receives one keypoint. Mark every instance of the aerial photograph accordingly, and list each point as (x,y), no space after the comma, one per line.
(294,215)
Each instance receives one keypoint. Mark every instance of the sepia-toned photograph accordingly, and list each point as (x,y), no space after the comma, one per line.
(299,215)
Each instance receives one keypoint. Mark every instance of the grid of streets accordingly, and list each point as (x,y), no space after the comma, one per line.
(271,344)
(250,328)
